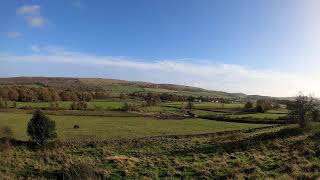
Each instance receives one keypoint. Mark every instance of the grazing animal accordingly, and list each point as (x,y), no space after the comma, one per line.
(76,126)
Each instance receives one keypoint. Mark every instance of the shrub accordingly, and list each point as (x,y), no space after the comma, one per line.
(248,105)
(6,133)
(53,105)
(304,110)
(80,171)
(41,128)
(1,103)
(73,105)
(260,108)
(14,105)
(129,107)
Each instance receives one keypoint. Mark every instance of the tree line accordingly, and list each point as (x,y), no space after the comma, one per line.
(45,94)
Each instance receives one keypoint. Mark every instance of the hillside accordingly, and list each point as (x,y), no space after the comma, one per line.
(118,86)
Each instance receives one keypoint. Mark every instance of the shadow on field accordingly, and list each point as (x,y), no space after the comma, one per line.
(74,171)
(242,145)
(28,144)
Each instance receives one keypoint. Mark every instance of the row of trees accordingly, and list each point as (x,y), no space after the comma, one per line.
(31,94)
(303,110)
(262,105)
(165,97)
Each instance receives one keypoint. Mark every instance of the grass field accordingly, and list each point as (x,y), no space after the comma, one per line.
(110,105)
(275,153)
(100,128)
(206,105)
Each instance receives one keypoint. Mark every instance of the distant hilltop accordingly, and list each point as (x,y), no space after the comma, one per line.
(121,86)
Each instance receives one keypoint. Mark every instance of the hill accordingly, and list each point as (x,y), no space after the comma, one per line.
(119,86)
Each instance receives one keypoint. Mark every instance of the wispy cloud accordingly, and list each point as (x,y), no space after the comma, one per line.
(225,77)
(78,4)
(13,34)
(36,21)
(32,15)
(35,48)
(29,10)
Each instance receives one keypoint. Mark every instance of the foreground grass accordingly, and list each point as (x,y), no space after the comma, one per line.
(278,153)
(103,128)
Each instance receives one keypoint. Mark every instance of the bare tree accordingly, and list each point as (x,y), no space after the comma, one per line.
(304,110)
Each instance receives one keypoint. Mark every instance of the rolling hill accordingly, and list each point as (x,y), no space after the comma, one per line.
(119,86)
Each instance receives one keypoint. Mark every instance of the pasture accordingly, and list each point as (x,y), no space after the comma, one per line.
(104,105)
(105,128)
(206,105)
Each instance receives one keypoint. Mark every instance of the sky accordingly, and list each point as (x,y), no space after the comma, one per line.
(265,47)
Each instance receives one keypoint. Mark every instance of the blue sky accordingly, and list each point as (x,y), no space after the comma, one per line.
(268,47)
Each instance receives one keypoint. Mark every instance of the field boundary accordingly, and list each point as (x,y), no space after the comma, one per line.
(239,120)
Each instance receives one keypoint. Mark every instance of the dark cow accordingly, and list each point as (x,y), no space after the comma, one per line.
(76,126)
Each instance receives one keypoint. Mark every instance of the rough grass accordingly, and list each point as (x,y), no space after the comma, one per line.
(277,153)
(102,128)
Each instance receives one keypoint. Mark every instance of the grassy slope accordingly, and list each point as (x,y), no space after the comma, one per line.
(276,153)
(121,86)
(101,128)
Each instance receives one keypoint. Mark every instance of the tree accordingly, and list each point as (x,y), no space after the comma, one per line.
(41,128)
(82,105)
(14,104)
(260,108)
(190,106)
(304,110)
(264,104)
(126,107)
(1,103)
(73,105)
(123,96)
(248,105)
(13,95)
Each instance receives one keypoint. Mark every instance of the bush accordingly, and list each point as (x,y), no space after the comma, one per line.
(304,110)
(6,133)
(41,128)
(129,107)
(80,171)
(1,103)
(248,105)
(260,109)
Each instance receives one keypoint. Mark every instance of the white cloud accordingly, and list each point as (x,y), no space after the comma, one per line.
(224,77)
(35,48)
(13,34)
(29,9)
(36,21)
(32,15)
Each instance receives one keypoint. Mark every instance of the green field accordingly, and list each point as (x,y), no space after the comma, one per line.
(109,105)
(206,105)
(100,128)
